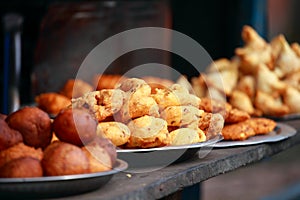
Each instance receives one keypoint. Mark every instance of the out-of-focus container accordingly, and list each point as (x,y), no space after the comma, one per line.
(70,31)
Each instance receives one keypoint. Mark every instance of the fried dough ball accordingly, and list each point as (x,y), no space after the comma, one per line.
(75,126)
(103,104)
(176,95)
(52,102)
(117,132)
(148,131)
(8,136)
(17,151)
(34,124)
(184,136)
(23,167)
(211,124)
(61,158)
(74,88)
(181,115)
(261,125)
(138,101)
(101,153)
(3,116)
(237,131)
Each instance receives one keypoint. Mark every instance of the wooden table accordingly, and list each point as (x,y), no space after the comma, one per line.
(169,180)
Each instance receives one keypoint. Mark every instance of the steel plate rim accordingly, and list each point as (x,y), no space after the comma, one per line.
(209,142)
(121,166)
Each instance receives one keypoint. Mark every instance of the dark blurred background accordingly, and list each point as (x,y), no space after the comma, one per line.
(215,24)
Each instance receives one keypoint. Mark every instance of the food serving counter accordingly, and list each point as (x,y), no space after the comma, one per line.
(174,178)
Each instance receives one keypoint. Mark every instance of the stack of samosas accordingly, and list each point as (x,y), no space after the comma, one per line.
(262,78)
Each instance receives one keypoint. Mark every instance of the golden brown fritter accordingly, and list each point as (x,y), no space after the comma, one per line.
(51,102)
(237,131)
(261,125)
(117,132)
(74,88)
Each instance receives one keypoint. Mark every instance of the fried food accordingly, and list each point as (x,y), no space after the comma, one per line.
(104,104)
(241,101)
(156,82)
(270,105)
(211,124)
(107,81)
(291,98)
(183,136)
(23,167)
(176,95)
(76,126)
(181,115)
(117,132)
(8,136)
(148,131)
(52,102)
(2,116)
(17,151)
(235,115)
(247,85)
(75,88)
(215,106)
(261,125)
(61,158)
(101,154)
(237,131)
(34,124)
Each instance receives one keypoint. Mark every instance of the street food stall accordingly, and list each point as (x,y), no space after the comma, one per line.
(123,101)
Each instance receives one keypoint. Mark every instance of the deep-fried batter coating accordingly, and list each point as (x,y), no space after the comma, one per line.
(103,104)
(156,82)
(117,132)
(296,48)
(241,101)
(34,124)
(261,125)
(101,154)
(181,115)
(211,124)
(52,102)
(75,125)
(237,131)
(215,106)
(293,80)
(23,167)
(269,105)
(8,136)
(148,131)
(176,95)
(184,136)
(62,158)
(107,81)
(74,88)
(138,100)
(236,115)
(199,86)
(17,151)
(247,85)
(291,98)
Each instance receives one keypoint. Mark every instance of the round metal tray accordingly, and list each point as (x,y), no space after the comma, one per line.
(56,186)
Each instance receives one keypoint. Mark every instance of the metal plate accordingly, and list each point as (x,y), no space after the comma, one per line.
(56,186)
(281,132)
(285,117)
(145,160)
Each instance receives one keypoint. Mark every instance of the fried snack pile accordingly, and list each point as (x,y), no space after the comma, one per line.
(137,114)
(239,125)
(262,78)
(28,147)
